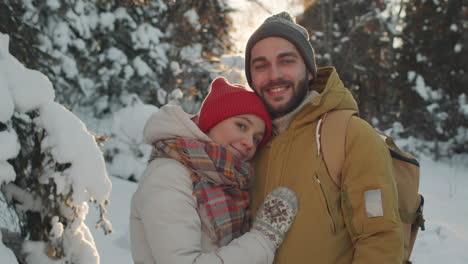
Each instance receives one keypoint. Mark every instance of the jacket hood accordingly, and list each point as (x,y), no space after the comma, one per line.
(332,96)
(169,122)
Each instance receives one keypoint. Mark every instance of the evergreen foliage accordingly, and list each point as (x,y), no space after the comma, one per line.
(23,35)
(354,37)
(432,60)
(107,50)
(405,62)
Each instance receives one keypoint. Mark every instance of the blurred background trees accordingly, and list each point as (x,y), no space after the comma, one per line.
(434,55)
(405,61)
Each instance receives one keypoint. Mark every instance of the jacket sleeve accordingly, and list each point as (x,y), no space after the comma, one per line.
(369,197)
(165,210)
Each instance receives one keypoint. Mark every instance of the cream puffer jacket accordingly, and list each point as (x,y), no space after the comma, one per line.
(165,227)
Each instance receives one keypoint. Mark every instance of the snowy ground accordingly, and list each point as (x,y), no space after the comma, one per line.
(445,240)
(446,237)
(114,248)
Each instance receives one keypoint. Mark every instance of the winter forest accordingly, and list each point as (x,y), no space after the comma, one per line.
(79,79)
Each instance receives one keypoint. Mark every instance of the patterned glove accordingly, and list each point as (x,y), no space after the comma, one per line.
(276,215)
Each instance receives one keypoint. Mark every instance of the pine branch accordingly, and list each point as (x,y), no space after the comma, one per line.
(26,200)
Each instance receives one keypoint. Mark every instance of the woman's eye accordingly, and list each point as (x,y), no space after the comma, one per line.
(256,140)
(241,126)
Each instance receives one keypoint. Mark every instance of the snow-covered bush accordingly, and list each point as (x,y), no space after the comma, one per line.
(50,166)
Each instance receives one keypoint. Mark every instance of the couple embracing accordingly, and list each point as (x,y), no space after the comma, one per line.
(242,181)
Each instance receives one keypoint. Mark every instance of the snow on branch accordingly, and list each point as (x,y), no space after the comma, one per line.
(50,166)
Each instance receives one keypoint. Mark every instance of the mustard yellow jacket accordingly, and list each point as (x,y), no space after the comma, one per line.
(332,225)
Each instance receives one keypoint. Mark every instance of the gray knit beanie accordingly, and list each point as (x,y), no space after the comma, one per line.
(283,26)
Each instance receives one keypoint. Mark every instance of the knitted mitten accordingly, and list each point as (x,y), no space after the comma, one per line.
(275,216)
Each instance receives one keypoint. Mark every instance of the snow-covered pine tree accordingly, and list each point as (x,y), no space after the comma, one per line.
(50,166)
(113,56)
(433,65)
(356,38)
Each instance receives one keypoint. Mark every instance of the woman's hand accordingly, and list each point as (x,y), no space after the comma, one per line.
(276,215)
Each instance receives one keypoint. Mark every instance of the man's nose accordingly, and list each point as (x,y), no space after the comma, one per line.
(275,72)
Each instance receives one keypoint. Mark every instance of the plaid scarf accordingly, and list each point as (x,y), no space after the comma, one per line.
(220,183)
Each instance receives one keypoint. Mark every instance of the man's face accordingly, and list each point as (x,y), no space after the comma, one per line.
(279,75)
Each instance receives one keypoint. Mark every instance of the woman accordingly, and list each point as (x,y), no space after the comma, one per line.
(191,205)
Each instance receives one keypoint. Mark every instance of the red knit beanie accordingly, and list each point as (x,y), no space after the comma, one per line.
(226,100)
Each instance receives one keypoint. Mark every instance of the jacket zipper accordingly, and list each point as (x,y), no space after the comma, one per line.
(327,204)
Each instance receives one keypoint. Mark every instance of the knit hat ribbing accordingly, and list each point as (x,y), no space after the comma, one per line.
(283,26)
(226,100)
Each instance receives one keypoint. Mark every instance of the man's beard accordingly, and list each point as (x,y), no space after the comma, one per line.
(299,92)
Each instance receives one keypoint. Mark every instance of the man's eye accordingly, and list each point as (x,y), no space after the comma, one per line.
(260,66)
(289,61)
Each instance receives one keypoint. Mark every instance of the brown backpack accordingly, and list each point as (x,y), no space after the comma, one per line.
(332,132)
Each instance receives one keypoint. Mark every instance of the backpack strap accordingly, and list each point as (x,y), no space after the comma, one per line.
(332,134)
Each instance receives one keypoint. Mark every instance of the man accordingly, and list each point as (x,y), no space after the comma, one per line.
(357,222)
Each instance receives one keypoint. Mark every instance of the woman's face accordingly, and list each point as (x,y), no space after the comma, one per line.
(240,134)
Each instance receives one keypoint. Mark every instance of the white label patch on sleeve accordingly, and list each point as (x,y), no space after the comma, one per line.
(373,200)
